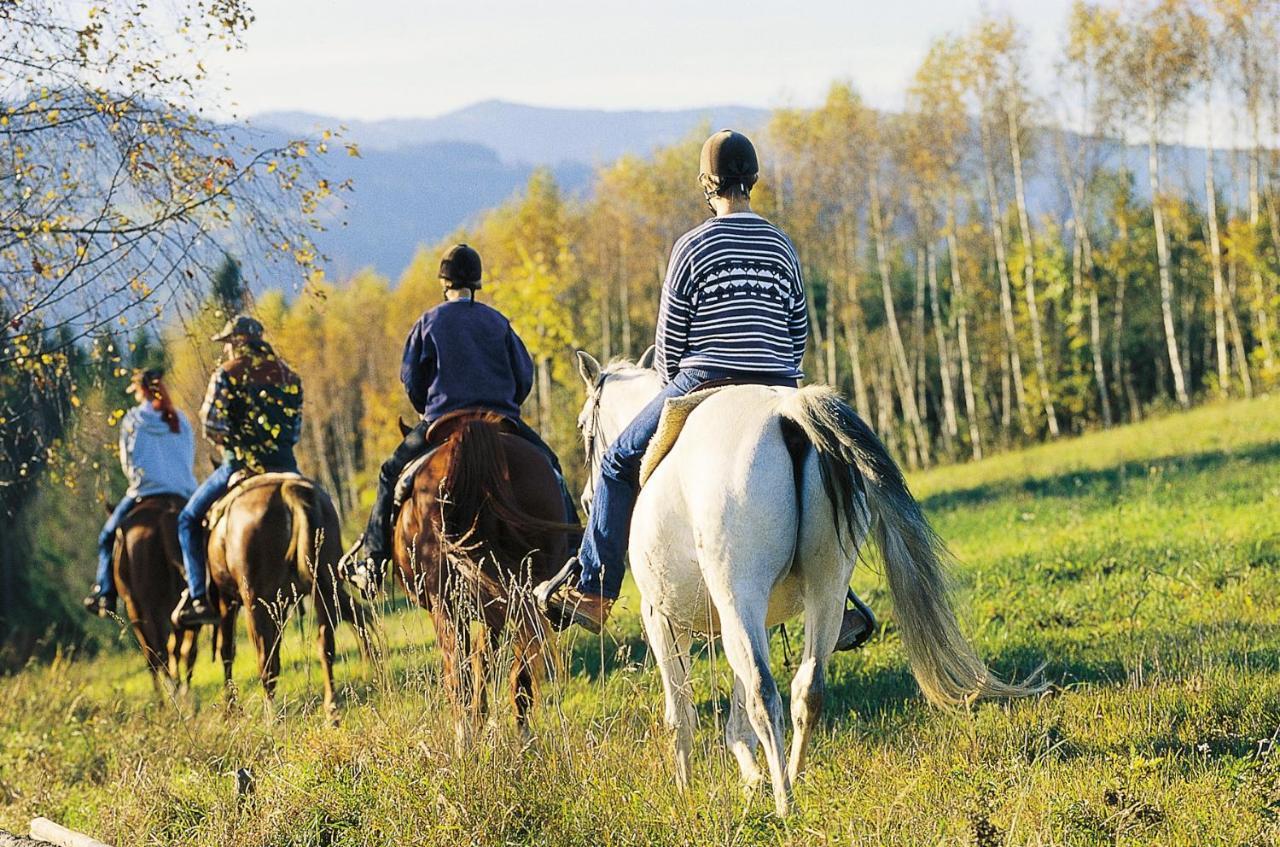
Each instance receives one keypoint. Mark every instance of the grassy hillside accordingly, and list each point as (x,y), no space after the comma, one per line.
(1140,564)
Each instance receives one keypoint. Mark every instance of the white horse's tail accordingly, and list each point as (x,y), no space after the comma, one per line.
(945,665)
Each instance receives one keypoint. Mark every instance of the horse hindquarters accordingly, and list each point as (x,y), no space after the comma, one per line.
(710,523)
(134,550)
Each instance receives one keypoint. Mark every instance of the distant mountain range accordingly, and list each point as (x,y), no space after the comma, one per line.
(418,179)
(528,134)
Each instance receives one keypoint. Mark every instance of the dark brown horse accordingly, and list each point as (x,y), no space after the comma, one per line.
(276,542)
(147,564)
(485,523)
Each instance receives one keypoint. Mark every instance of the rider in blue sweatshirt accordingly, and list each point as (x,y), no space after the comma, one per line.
(461,354)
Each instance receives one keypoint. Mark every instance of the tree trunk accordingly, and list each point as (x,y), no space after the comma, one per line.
(1237,337)
(1099,367)
(884,407)
(1162,258)
(1215,258)
(917,336)
(833,378)
(1118,369)
(902,371)
(853,321)
(854,346)
(1002,270)
(1261,320)
(961,308)
(1029,270)
(544,395)
(606,305)
(1084,275)
(950,427)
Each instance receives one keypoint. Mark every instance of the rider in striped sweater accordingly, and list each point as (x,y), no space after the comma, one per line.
(733,307)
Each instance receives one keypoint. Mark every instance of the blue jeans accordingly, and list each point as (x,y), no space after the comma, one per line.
(191,529)
(105,581)
(191,520)
(604,544)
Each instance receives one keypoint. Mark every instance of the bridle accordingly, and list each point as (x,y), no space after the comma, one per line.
(592,439)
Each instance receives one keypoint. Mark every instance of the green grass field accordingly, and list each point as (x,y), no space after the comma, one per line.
(1142,565)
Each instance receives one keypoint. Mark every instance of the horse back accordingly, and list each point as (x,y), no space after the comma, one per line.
(721,507)
(265,541)
(486,491)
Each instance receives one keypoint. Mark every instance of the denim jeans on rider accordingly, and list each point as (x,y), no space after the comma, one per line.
(604,544)
(191,529)
(104,580)
(191,522)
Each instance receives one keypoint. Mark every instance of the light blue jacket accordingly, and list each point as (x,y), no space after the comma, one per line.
(155,459)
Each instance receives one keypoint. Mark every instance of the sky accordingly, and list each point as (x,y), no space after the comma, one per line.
(372,59)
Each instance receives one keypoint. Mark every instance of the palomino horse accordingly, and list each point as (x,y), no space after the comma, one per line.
(147,564)
(757,513)
(484,523)
(277,541)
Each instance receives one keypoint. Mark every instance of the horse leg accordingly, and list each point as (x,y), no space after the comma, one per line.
(327,616)
(155,647)
(455,651)
(823,609)
(824,565)
(746,646)
(264,630)
(227,648)
(188,649)
(671,654)
(530,656)
(741,739)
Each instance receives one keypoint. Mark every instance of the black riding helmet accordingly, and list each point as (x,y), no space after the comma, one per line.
(460,267)
(728,158)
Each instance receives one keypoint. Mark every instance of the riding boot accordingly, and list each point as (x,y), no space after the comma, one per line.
(193,612)
(99,603)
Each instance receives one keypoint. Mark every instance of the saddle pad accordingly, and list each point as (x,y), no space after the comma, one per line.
(404,484)
(249,483)
(675,412)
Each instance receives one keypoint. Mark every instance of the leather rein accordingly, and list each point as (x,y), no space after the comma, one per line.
(592,438)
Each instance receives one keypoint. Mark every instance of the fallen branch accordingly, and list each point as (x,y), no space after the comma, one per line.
(46,830)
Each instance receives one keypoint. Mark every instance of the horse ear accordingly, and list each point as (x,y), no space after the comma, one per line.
(404,427)
(646,358)
(588,368)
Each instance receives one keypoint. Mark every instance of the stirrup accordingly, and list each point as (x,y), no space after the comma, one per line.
(864,635)
(363,572)
(542,591)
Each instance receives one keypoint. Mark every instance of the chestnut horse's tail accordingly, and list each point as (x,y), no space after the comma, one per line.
(479,496)
(481,513)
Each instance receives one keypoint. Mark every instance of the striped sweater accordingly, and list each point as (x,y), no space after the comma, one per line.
(733,299)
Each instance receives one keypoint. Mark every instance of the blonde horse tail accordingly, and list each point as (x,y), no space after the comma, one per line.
(851,458)
(299,497)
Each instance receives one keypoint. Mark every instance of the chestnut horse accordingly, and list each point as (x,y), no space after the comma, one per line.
(278,541)
(485,523)
(147,564)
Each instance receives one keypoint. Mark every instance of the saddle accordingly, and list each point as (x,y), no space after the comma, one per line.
(440,431)
(241,484)
(163,503)
(676,411)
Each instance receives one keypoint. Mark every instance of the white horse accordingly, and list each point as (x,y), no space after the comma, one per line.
(756,514)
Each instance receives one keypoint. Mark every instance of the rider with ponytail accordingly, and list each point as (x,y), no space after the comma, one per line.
(156,452)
